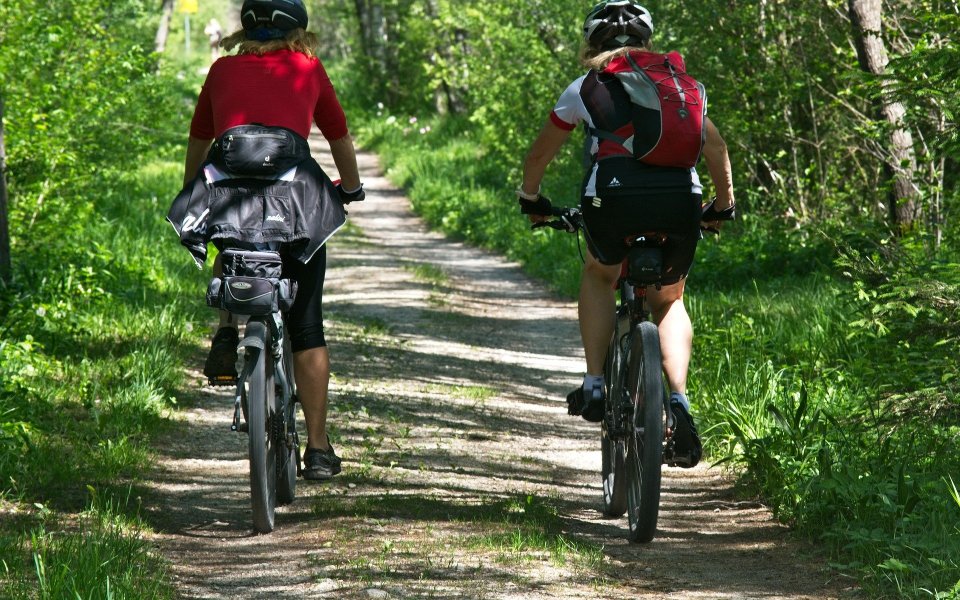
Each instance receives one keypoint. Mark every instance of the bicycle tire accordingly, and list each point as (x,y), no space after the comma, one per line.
(287,438)
(261,406)
(645,444)
(612,447)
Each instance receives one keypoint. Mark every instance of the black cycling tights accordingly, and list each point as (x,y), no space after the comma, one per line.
(305,319)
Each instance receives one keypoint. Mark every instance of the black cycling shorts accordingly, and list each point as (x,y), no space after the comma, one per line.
(613,218)
(305,320)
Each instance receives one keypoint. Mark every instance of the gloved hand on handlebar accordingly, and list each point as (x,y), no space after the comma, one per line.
(346,197)
(710,216)
(534,204)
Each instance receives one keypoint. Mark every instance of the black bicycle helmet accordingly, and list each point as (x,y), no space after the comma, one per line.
(273,14)
(617,23)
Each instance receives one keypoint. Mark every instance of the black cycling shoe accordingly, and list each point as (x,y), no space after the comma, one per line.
(686,445)
(590,408)
(221,365)
(320,465)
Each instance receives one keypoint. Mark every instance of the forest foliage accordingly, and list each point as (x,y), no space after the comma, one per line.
(827,324)
(95,318)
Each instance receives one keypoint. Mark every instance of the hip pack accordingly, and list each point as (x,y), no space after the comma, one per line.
(668,109)
(258,150)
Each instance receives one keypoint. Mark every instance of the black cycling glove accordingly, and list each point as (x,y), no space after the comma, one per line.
(710,214)
(541,206)
(347,197)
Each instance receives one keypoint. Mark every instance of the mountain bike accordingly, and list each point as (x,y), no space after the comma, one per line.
(636,431)
(265,403)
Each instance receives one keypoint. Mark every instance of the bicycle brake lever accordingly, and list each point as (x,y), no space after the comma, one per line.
(710,230)
(568,224)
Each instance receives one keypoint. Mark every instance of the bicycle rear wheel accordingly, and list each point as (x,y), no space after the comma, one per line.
(261,408)
(612,446)
(645,444)
(288,443)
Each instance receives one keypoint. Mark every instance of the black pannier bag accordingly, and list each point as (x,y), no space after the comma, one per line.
(251,284)
(259,151)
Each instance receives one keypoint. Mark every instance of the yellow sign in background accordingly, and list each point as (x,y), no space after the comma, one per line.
(188,6)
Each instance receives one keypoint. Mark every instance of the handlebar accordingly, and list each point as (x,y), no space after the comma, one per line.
(570,219)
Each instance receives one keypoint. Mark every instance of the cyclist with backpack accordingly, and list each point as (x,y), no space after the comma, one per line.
(647,126)
(276,80)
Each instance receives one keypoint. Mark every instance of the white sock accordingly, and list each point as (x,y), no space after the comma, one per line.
(593,384)
(681,398)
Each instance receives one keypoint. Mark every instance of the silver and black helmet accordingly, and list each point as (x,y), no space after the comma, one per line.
(273,14)
(616,23)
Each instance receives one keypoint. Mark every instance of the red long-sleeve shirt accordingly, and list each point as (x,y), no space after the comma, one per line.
(282,88)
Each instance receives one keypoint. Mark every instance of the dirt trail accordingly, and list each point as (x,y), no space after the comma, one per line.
(450,366)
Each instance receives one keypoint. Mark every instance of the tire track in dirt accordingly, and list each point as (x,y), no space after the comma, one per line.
(450,366)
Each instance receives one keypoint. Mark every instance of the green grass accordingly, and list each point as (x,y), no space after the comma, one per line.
(477,394)
(428,273)
(101,554)
(525,526)
(92,355)
(514,530)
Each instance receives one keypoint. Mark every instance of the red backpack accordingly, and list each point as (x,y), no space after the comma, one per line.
(669,109)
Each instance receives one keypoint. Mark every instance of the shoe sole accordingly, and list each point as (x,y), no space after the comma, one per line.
(222,380)
(321,476)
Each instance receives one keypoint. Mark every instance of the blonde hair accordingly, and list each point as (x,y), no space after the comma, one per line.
(597,59)
(296,40)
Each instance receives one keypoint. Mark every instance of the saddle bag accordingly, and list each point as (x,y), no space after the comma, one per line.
(645,265)
(251,284)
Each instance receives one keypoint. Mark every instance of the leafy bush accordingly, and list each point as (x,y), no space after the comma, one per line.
(100,311)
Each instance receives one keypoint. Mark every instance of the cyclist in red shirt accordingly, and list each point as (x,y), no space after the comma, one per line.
(624,196)
(276,79)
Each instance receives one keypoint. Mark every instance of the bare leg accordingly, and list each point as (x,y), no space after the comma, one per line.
(596,311)
(226,318)
(676,333)
(312,371)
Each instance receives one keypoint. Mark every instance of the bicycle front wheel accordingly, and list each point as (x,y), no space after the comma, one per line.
(261,408)
(645,443)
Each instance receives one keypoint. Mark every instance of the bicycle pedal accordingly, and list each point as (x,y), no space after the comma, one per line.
(222,380)
(243,428)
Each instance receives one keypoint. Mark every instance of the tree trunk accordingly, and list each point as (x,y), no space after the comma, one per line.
(446,97)
(374,34)
(903,207)
(4,228)
(163,31)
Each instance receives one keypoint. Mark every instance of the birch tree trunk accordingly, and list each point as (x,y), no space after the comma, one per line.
(4,228)
(163,31)
(903,207)
(375,37)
